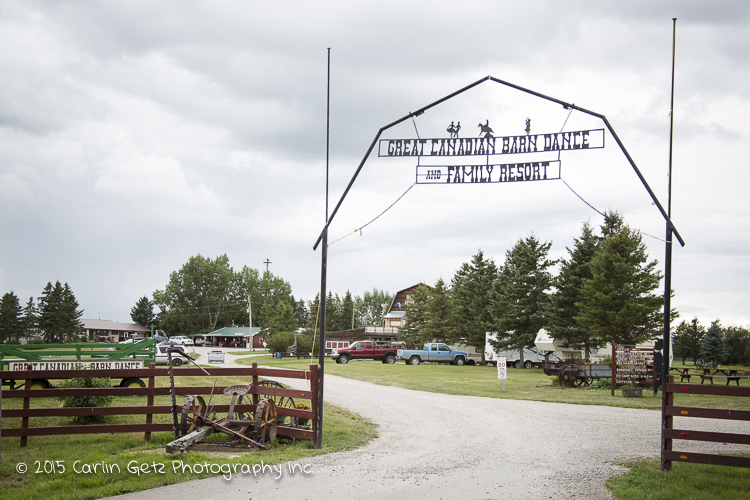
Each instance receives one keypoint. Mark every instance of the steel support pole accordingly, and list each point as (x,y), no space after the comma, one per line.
(668,263)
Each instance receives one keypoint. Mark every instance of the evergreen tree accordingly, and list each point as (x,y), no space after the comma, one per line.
(283,319)
(415,332)
(561,323)
(11,323)
(59,317)
(142,312)
(737,343)
(333,312)
(618,301)
(687,340)
(300,312)
(49,313)
(346,315)
(71,316)
(713,348)
(313,317)
(30,320)
(441,318)
(471,288)
(521,295)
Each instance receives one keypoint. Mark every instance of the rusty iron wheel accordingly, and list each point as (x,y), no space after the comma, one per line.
(194,407)
(266,422)
(280,401)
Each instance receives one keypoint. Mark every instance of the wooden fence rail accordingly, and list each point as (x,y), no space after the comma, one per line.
(670,433)
(150,409)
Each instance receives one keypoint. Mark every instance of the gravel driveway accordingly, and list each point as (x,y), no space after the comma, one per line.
(438,446)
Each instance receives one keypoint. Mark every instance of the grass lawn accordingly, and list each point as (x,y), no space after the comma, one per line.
(684,482)
(127,463)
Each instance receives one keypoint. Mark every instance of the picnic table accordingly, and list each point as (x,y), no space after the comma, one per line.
(731,375)
(684,373)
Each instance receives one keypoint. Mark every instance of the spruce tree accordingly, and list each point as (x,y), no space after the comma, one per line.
(11,324)
(142,312)
(346,315)
(283,319)
(30,320)
(563,310)
(687,340)
(713,347)
(415,332)
(619,302)
(471,290)
(72,327)
(441,319)
(521,295)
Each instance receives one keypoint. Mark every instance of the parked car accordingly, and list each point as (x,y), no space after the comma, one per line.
(198,341)
(216,356)
(132,340)
(182,340)
(162,358)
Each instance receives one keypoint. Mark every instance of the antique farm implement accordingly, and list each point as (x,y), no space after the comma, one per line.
(197,420)
(256,429)
(576,371)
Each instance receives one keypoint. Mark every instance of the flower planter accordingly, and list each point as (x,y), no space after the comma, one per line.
(632,392)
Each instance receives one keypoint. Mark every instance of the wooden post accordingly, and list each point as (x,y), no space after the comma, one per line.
(150,402)
(314,405)
(614,366)
(668,422)
(25,418)
(256,398)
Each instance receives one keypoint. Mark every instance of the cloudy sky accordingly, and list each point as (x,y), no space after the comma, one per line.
(134,135)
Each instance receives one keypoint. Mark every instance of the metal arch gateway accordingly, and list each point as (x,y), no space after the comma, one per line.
(323,237)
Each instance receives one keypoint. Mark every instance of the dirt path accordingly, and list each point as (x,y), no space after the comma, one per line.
(439,446)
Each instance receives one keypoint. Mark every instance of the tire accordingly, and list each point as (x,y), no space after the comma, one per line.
(132,383)
(389,359)
(39,383)
(459,361)
(343,359)
(471,362)
(528,364)
(414,360)
(518,364)
(176,362)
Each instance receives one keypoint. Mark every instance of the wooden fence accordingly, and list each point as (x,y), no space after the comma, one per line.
(670,433)
(149,409)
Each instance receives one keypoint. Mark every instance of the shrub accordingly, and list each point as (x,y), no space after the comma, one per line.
(87,401)
(278,342)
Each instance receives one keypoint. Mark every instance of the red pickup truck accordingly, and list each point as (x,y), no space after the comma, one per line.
(367,349)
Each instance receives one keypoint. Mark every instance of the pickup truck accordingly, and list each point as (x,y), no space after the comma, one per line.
(366,349)
(434,352)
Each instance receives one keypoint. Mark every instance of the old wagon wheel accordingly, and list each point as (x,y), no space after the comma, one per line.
(192,411)
(568,374)
(279,401)
(265,422)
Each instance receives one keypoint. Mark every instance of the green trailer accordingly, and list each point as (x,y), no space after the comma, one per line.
(36,357)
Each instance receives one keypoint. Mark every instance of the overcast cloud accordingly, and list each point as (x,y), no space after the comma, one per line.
(134,135)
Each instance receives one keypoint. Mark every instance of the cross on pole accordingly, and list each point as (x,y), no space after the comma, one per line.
(267,261)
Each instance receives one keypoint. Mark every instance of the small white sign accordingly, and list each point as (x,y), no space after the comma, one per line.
(502,369)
